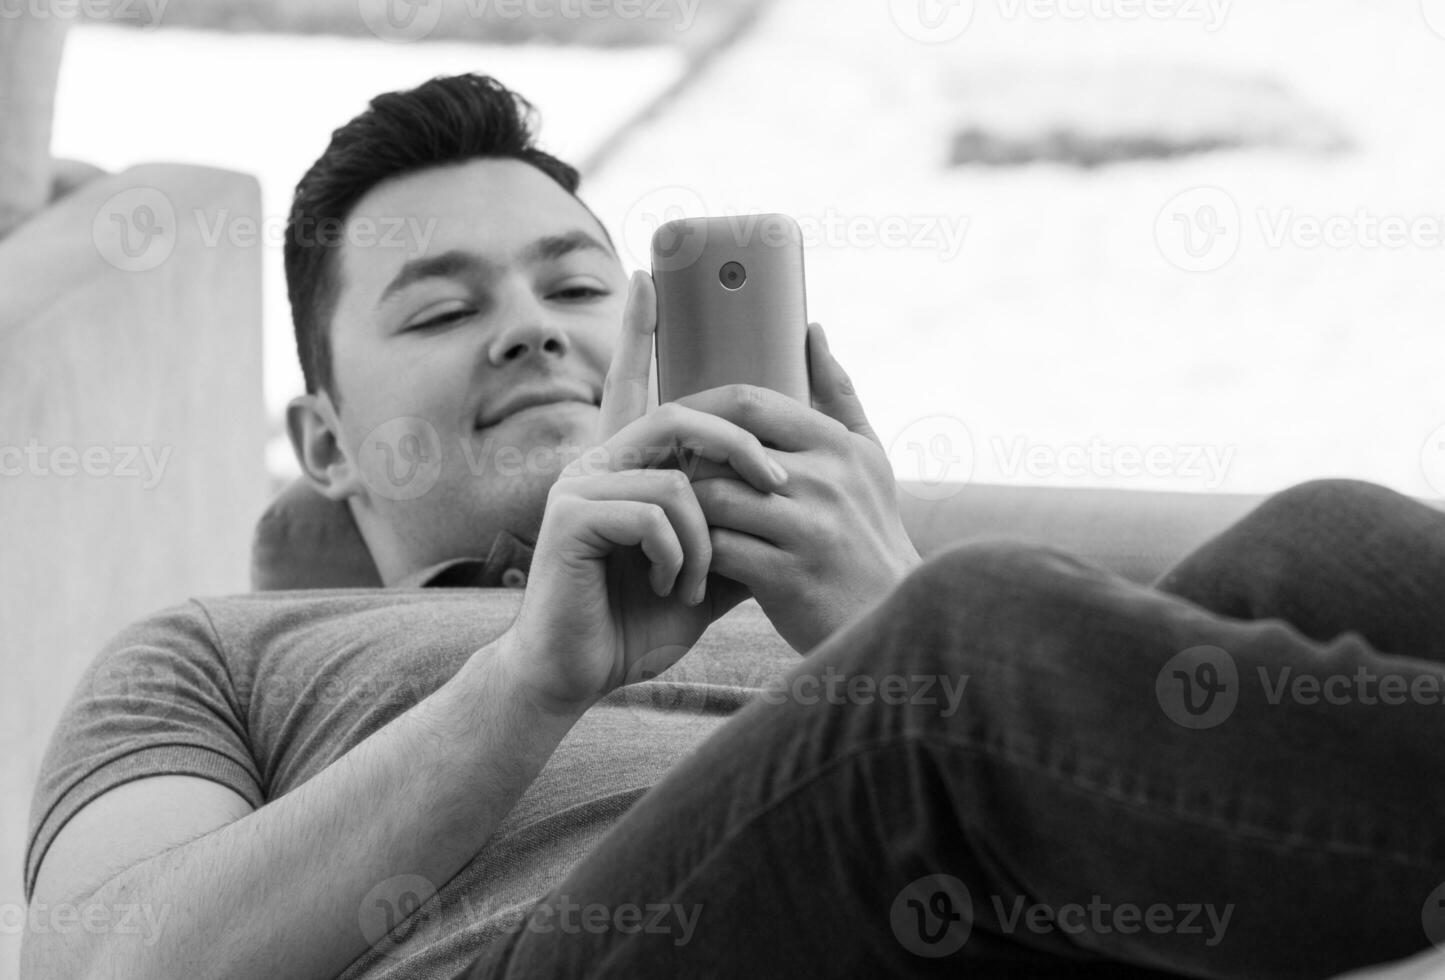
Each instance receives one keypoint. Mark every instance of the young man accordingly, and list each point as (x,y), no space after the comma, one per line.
(273,829)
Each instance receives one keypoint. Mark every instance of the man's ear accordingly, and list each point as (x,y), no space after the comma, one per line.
(315,433)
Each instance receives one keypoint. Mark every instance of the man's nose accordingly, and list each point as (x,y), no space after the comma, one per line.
(529,330)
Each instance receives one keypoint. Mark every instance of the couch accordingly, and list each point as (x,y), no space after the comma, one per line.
(97,355)
(112,360)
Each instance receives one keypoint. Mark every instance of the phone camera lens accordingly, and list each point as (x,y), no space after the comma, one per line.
(733,275)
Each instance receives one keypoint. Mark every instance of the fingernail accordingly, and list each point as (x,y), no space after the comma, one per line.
(779,474)
(701,591)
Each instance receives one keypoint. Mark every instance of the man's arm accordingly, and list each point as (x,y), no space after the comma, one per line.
(278,893)
(616,591)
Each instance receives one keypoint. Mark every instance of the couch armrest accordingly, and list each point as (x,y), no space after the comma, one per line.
(99,367)
(1138,534)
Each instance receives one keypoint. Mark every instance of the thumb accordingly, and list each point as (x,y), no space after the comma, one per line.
(832,389)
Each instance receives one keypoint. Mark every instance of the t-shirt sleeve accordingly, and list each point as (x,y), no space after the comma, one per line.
(157,701)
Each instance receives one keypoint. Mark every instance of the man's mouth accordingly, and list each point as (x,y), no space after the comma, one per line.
(533,397)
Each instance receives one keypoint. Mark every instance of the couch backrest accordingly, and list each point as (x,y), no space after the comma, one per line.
(305,541)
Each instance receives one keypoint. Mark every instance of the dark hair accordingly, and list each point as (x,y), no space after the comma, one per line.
(445,120)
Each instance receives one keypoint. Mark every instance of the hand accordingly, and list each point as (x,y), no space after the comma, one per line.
(831,542)
(619,588)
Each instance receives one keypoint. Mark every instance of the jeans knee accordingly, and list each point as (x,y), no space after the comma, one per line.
(1327,502)
(966,603)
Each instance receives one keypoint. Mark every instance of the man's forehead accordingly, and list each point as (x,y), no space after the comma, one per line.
(495,208)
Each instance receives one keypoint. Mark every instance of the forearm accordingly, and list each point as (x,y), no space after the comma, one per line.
(279,892)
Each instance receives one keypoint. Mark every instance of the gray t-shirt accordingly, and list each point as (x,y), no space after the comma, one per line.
(261,692)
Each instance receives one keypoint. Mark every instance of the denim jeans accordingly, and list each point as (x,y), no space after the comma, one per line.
(1036,769)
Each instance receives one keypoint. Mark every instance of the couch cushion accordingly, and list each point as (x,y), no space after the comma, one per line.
(305,541)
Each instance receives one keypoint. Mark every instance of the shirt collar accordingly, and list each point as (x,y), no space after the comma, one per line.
(505,566)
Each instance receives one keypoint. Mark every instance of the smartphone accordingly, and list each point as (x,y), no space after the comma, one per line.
(731,307)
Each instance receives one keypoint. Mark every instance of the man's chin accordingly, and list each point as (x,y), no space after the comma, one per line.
(545,437)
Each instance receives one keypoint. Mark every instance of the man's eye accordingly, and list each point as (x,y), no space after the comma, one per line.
(580,292)
(439,321)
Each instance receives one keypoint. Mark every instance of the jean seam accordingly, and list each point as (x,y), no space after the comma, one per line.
(1240,833)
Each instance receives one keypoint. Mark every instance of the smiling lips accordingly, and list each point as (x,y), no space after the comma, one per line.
(529,397)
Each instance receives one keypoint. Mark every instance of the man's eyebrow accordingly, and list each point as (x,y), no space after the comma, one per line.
(447,265)
(556,246)
(456,263)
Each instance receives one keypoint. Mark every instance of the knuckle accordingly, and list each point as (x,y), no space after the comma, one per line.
(746,398)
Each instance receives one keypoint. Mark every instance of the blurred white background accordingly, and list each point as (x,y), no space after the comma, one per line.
(1009,245)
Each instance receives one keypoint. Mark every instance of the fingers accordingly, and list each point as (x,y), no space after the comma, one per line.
(625,392)
(655,509)
(659,435)
(744,558)
(833,392)
(774,418)
(738,507)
